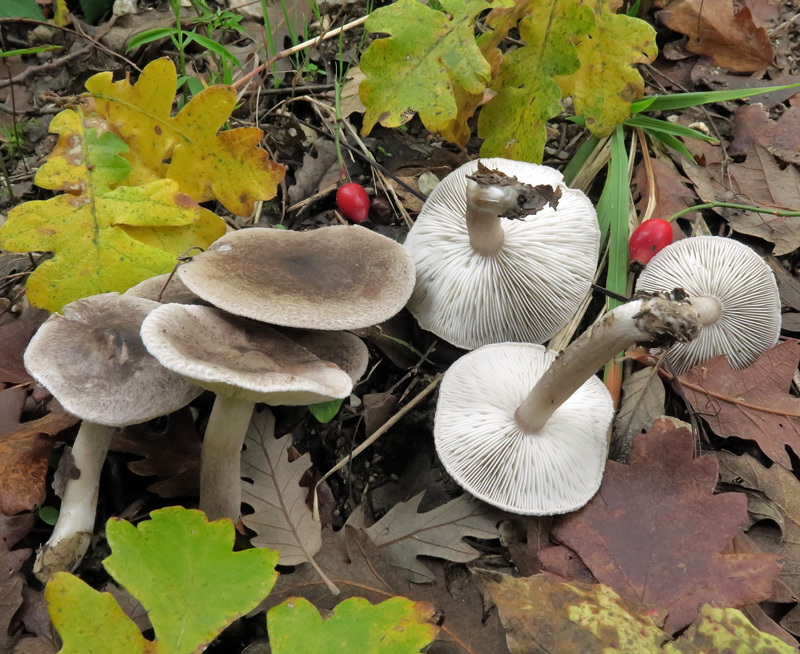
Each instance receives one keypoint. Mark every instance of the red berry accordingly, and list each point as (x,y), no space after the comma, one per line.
(650,237)
(353,202)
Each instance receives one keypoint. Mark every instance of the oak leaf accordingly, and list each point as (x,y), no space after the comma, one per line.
(715,29)
(642,403)
(427,54)
(752,404)
(607,81)
(12,581)
(513,122)
(206,164)
(752,125)
(655,532)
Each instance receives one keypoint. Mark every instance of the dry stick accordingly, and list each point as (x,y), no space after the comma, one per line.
(380,431)
(300,46)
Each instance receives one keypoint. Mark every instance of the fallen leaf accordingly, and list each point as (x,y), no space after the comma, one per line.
(655,532)
(562,562)
(643,398)
(524,556)
(717,30)
(752,126)
(403,534)
(24,454)
(12,530)
(281,520)
(14,338)
(758,180)
(672,192)
(12,401)
(754,403)
(172,455)
(782,489)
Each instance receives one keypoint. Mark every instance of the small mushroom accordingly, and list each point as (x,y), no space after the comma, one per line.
(485,278)
(165,289)
(93,361)
(733,291)
(243,362)
(524,428)
(341,277)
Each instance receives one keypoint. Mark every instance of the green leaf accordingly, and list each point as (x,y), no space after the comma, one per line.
(672,142)
(20,9)
(655,125)
(513,122)
(684,100)
(325,411)
(396,626)
(25,51)
(149,36)
(90,622)
(216,48)
(93,10)
(427,53)
(612,214)
(607,81)
(181,568)
(579,158)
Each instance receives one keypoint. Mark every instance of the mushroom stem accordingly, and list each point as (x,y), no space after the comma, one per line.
(485,205)
(708,308)
(220,458)
(73,531)
(635,322)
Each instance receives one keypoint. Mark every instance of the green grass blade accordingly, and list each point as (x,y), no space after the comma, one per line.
(580,157)
(149,36)
(684,100)
(672,142)
(665,127)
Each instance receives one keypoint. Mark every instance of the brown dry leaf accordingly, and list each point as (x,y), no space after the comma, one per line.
(173,457)
(14,339)
(282,520)
(715,29)
(672,193)
(12,401)
(782,489)
(565,565)
(23,461)
(752,126)
(756,181)
(12,530)
(403,534)
(655,532)
(754,403)
(524,556)
(643,398)
(359,569)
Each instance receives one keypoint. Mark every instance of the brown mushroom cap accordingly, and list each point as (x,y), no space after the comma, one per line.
(341,277)
(93,361)
(239,358)
(159,290)
(343,349)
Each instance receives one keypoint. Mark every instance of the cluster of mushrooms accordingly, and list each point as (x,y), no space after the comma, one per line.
(499,260)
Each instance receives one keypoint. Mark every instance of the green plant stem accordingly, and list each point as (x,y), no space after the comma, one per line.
(730,205)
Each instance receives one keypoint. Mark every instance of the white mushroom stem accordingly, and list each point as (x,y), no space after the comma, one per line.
(220,458)
(73,531)
(708,308)
(639,321)
(485,205)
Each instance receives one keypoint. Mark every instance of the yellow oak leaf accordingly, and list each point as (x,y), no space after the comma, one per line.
(607,81)
(206,163)
(84,227)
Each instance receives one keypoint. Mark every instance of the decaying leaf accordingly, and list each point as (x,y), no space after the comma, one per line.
(206,164)
(83,226)
(752,125)
(282,520)
(14,338)
(524,556)
(672,192)
(655,532)
(643,398)
(717,30)
(607,81)
(772,493)
(396,626)
(12,530)
(403,534)
(513,122)
(754,403)
(758,180)
(428,52)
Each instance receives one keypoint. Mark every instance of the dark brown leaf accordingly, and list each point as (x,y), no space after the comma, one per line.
(752,126)
(562,562)
(672,193)
(14,339)
(11,581)
(524,556)
(754,403)
(717,30)
(655,532)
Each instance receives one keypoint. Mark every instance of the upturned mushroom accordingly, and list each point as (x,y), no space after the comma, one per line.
(93,361)
(243,362)
(483,277)
(524,428)
(342,277)
(734,292)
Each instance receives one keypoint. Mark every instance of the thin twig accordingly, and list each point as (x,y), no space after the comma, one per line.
(730,205)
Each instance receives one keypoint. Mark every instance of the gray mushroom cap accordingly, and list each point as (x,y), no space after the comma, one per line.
(345,350)
(164,290)
(93,361)
(735,275)
(240,358)
(527,291)
(341,277)
(555,470)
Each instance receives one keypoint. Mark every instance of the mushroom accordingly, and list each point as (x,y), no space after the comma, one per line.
(243,362)
(341,277)
(524,428)
(165,289)
(93,361)
(483,278)
(733,291)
